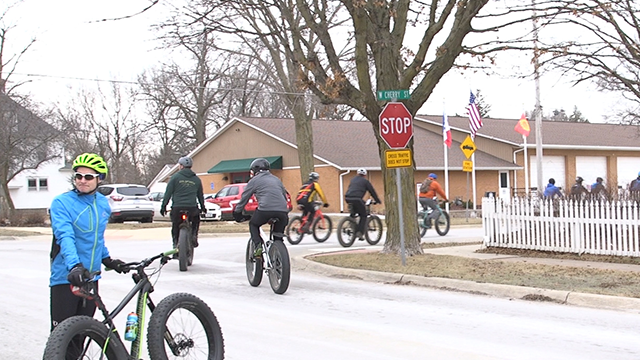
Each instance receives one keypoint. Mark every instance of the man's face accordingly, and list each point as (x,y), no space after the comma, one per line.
(83,184)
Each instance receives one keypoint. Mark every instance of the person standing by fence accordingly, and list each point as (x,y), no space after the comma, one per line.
(634,189)
(552,191)
(578,191)
(598,191)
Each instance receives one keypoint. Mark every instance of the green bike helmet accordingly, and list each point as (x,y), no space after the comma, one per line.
(92,161)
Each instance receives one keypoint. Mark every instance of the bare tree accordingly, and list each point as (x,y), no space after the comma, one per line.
(343,51)
(604,49)
(8,65)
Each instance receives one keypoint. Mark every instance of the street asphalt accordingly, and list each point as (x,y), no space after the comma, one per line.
(301,262)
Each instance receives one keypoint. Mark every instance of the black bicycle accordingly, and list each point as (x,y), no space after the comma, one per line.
(348,225)
(186,239)
(442,222)
(181,325)
(274,261)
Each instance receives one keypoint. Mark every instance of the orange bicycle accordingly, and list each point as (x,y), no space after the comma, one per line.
(320,226)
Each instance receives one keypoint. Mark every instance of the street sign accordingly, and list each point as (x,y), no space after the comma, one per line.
(396,125)
(387,95)
(398,158)
(468,147)
(467,165)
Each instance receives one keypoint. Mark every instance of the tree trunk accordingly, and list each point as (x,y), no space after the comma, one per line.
(304,139)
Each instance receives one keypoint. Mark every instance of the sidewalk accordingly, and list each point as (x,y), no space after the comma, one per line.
(498,290)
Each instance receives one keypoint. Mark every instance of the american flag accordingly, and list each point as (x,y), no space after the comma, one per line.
(475,123)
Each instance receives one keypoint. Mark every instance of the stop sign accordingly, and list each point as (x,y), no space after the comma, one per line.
(396,125)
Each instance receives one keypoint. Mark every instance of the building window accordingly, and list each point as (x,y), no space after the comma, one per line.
(41,184)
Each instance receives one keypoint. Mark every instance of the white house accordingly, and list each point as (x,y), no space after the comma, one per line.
(35,189)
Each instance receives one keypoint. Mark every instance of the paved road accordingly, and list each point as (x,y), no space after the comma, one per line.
(322,317)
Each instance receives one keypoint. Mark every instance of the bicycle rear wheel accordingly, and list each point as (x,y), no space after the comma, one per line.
(254,265)
(347,231)
(293,231)
(280,272)
(183,326)
(373,232)
(422,228)
(322,228)
(83,338)
(185,249)
(443,223)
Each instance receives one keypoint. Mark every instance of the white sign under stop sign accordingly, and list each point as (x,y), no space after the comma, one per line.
(396,125)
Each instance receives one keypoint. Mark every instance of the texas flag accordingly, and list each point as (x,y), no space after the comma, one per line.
(523,126)
(446,130)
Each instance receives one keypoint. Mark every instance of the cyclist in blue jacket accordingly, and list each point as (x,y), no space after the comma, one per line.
(78,219)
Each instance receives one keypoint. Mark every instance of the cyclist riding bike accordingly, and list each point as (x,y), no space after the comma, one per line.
(429,189)
(78,219)
(186,190)
(358,187)
(272,203)
(306,197)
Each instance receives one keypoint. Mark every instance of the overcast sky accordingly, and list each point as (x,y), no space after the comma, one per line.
(72,45)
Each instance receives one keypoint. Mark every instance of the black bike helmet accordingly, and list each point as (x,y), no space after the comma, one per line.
(579,179)
(552,181)
(260,164)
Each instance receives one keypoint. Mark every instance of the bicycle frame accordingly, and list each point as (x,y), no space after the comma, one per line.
(142,288)
(317,215)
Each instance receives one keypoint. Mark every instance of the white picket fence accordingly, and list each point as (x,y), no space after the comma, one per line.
(603,228)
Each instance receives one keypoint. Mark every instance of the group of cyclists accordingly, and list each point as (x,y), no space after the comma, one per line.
(79,219)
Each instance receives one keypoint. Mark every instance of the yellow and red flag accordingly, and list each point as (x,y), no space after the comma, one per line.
(523,126)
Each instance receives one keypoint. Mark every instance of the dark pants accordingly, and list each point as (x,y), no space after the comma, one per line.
(194,216)
(309,208)
(260,218)
(430,203)
(358,207)
(63,304)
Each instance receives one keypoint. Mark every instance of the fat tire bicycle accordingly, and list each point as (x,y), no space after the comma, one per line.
(348,226)
(186,238)
(181,325)
(442,223)
(275,262)
(321,226)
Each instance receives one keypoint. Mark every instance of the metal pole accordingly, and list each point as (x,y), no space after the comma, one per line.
(401,217)
(536,68)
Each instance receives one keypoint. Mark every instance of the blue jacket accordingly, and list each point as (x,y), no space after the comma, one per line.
(78,222)
(551,191)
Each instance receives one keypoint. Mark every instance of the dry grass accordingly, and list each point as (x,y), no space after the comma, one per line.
(587,280)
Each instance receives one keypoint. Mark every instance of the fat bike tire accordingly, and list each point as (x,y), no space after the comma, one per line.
(89,333)
(254,265)
(373,232)
(184,249)
(183,326)
(347,231)
(443,223)
(322,228)
(293,232)
(280,272)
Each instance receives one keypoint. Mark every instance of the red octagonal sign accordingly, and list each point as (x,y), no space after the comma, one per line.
(396,125)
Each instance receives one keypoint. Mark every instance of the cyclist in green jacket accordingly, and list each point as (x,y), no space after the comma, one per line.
(185,187)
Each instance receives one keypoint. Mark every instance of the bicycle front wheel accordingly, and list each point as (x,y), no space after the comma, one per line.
(443,223)
(373,232)
(185,249)
(183,326)
(322,228)
(82,337)
(347,231)
(280,272)
(254,265)
(294,231)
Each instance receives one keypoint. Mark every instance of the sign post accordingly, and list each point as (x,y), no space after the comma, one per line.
(396,129)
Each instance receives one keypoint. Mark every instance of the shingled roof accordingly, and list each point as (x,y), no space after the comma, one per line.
(555,134)
(352,144)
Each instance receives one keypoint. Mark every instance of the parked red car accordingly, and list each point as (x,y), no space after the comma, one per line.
(230,195)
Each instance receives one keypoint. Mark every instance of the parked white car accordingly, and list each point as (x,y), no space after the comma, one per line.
(128,202)
(213,210)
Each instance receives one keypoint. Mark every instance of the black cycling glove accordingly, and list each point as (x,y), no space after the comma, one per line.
(78,275)
(237,216)
(115,264)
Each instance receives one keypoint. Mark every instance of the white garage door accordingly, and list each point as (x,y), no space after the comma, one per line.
(628,168)
(552,167)
(591,167)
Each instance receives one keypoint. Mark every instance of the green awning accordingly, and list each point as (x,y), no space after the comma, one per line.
(242,165)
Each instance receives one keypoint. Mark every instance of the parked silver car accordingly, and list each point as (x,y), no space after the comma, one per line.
(129,202)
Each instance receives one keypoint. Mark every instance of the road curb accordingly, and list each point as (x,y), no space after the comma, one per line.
(301,263)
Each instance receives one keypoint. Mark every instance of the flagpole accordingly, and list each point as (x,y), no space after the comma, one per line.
(473,180)
(526,165)
(446,156)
